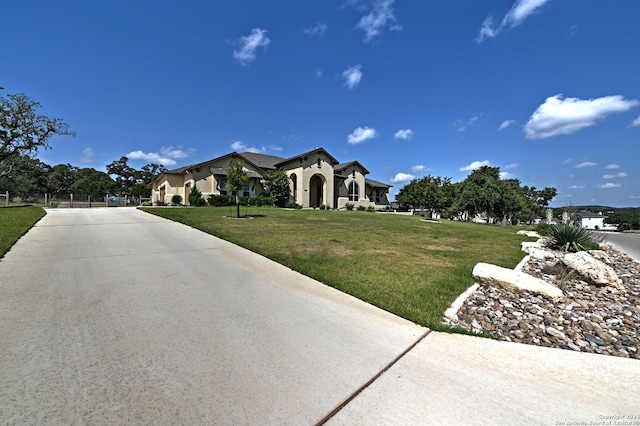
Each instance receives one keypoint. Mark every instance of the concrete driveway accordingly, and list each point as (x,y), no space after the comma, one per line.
(114,316)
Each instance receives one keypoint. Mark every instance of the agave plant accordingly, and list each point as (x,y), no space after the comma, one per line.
(570,238)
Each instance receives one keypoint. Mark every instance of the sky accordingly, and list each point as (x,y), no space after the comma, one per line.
(546,90)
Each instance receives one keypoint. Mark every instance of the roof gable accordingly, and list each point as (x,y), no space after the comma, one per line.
(342,167)
(307,154)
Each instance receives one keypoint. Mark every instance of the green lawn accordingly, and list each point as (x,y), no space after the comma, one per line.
(14,222)
(402,264)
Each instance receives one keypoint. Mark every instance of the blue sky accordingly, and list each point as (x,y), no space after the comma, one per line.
(547,90)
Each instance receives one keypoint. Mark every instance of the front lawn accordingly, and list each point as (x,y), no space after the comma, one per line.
(402,264)
(15,222)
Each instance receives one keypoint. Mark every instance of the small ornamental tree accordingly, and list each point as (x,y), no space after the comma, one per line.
(276,184)
(195,197)
(236,178)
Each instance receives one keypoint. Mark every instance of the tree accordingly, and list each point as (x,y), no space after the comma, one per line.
(480,192)
(92,183)
(60,179)
(236,178)
(27,177)
(429,193)
(195,198)
(23,132)
(125,175)
(276,184)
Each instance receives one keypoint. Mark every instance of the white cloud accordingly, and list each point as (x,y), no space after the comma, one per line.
(512,166)
(418,168)
(381,16)
(405,134)
(563,116)
(636,122)
(352,76)
(248,45)
(585,164)
(565,162)
(166,156)
(506,175)
(87,156)
(475,165)
(317,29)
(612,167)
(402,177)
(634,197)
(462,125)
(361,134)
(615,176)
(577,187)
(506,124)
(518,13)
(608,185)
(239,146)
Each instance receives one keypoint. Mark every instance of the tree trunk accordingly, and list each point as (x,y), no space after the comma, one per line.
(237,205)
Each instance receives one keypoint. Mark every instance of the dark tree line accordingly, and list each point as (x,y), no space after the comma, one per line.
(482,192)
(28,177)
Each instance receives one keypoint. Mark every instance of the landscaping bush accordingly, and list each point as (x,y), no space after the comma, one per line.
(361,208)
(263,201)
(176,200)
(195,198)
(216,200)
(323,207)
(570,238)
(349,206)
(371,209)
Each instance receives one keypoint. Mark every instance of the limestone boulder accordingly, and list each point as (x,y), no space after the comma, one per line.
(592,270)
(532,234)
(514,280)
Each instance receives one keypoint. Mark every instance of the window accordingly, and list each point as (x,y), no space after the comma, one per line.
(319,163)
(222,186)
(354,191)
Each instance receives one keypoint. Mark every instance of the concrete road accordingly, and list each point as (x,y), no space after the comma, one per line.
(113,316)
(628,243)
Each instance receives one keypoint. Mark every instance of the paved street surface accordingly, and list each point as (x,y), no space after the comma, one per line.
(114,316)
(628,243)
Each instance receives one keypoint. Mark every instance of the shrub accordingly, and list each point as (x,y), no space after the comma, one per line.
(176,200)
(195,198)
(361,208)
(371,209)
(570,238)
(217,200)
(323,207)
(349,206)
(263,200)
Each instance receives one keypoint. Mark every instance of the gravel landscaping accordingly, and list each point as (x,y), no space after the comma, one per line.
(602,320)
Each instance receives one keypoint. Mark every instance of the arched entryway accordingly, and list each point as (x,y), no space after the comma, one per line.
(317,190)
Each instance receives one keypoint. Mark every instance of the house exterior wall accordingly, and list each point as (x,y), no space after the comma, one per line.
(305,168)
(315,181)
(354,174)
(592,222)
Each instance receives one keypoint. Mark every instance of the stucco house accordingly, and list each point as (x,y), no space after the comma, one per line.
(315,178)
(590,220)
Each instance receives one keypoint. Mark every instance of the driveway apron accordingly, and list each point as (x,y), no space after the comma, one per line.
(117,316)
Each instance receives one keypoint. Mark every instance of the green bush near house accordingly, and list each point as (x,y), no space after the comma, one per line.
(349,206)
(195,198)
(176,200)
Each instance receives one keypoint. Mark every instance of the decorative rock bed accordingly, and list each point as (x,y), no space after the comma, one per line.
(598,313)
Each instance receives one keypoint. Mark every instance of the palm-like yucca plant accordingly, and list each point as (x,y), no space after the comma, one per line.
(570,238)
